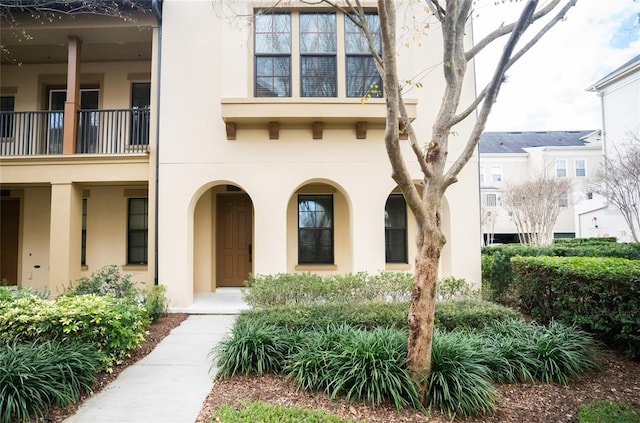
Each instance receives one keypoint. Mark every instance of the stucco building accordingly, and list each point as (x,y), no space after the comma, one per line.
(619,93)
(518,156)
(253,137)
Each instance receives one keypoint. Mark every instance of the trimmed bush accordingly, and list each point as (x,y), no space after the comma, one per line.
(104,281)
(37,375)
(109,280)
(602,295)
(448,315)
(113,325)
(308,288)
(497,275)
(256,411)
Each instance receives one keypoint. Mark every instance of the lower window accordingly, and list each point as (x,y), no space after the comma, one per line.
(137,231)
(315,229)
(395,229)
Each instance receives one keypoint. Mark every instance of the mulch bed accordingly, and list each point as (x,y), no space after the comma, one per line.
(619,380)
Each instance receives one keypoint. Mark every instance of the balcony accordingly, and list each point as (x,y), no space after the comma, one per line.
(37,133)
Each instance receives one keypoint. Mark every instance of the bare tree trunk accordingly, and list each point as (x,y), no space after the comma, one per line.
(423,297)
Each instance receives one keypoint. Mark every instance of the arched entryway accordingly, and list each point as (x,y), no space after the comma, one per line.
(223,238)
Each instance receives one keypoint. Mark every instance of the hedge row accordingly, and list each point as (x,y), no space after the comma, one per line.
(602,295)
(113,325)
(309,288)
(469,314)
(497,274)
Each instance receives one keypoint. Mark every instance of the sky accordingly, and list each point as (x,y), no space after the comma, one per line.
(546,89)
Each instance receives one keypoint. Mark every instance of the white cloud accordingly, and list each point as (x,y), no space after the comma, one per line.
(545,90)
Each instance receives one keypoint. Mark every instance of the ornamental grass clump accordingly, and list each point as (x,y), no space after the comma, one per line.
(252,348)
(362,365)
(528,352)
(460,382)
(37,375)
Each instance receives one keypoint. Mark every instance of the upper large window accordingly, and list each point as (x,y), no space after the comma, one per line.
(273,55)
(283,38)
(362,75)
(318,55)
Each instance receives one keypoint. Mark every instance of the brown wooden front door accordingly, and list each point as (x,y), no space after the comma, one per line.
(9,226)
(233,239)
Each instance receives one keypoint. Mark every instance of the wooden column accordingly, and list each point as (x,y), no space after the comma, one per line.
(72,104)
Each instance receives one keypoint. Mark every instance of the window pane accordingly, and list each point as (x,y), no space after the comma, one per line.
(315,229)
(355,41)
(273,77)
(318,76)
(395,222)
(137,231)
(362,77)
(6,119)
(273,34)
(317,33)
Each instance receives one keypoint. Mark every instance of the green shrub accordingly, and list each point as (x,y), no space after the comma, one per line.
(308,288)
(497,275)
(155,302)
(584,241)
(608,412)
(256,411)
(114,325)
(459,382)
(34,376)
(361,365)
(106,280)
(448,315)
(470,314)
(319,316)
(252,348)
(602,295)
(452,288)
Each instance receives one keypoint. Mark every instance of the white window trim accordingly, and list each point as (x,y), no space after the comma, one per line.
(499,173)
(575,168)
(566,172)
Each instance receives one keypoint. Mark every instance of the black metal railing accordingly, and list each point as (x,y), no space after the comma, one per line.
(32,133)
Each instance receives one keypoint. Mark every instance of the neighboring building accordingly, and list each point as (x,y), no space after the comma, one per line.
(513,157)
(269,160)
(619,93)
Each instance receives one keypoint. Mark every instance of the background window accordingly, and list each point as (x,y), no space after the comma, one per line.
(564,201)
(395,229)
(315,229)
(481,174)
(137,231)
(496,174)
(6,119)
(318,55)
(581,168)
(491,200)
(83,248)
(273,55)
(561,168)
(362,75)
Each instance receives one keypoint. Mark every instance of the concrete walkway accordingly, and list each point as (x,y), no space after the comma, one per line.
(171,383)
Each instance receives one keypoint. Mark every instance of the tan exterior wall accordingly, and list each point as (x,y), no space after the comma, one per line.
(212,62)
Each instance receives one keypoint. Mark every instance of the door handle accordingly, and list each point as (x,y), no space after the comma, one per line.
(250,252)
